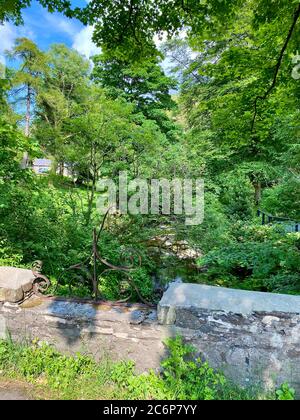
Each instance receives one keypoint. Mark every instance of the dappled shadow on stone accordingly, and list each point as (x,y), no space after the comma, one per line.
(116,331)
(103,329)
(72,318)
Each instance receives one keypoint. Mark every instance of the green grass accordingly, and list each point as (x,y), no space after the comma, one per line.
(52,375)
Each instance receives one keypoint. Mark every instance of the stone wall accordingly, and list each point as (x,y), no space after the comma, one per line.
(253,337)
(104,330)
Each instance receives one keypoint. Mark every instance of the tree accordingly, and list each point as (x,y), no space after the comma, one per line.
(12,9)
(142,83)
(68,71)
(13,144)
(27,79)
(4,85)
(106,139)
(219,94)
(64,86)
(129,26)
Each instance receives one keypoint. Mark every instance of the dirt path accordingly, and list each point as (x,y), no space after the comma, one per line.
(14,390)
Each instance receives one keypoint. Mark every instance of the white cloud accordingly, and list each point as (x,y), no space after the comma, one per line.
(83,42)
(8,35)
(61,24)
(81,39)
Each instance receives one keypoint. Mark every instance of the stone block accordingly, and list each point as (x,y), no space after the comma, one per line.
(14,283)
(196,296)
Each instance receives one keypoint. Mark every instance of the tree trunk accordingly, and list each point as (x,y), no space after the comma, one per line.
(91,197)
(61,168)
(25,160)
(257,187)
(28,107)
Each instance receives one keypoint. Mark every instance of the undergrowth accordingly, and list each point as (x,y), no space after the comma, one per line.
(182,377)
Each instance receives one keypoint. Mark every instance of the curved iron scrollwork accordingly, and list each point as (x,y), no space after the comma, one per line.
(41,283)
(88,269)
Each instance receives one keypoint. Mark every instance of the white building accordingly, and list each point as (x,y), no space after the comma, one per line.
(43,166)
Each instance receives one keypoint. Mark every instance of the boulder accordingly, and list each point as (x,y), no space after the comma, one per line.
(15,283)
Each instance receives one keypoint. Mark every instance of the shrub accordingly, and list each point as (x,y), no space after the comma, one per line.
(237,195)
(268,262)
(186,379)
(283,200)
(215,230)
(285,392)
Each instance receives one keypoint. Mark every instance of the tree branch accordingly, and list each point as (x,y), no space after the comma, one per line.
(277,67)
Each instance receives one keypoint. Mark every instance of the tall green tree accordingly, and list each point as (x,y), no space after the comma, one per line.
(106,138)
(64,87)
(27,80)
(234,103)
(142,83)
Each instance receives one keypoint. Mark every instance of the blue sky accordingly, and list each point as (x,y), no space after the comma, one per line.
(46,28)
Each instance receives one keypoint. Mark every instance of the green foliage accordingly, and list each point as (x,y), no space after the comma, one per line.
(115,286)
(183,377)
(9,256)
(267,261)
(128,28)
(27,79)
(55,232)
(215,229)
(79,377)
(285,393)
(51,231)
(238,131)
(32,362)
(13,143)
(237,196)
(283,199)
(33,63)
(12,9)
(64,85)
(186,379)
(145,386)
(144,84)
